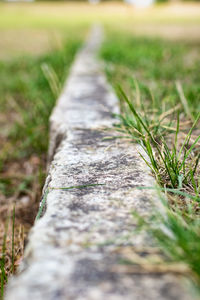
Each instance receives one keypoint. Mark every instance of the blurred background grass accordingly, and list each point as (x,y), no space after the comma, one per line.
(39,26)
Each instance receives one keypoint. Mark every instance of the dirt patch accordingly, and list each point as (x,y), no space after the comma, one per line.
(20,190)
(36,42)
(169,31)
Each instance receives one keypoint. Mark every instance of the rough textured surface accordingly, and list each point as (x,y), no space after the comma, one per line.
(74,250)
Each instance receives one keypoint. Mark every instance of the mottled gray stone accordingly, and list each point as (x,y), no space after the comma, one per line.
(73,250)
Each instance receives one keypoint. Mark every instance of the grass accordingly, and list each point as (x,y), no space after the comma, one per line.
(43,25)
(5,270)
(139,57)
(177,237)
(2,261)
(29,88)
(160,110)
(177,169)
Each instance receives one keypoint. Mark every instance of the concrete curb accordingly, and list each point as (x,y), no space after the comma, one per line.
(74,249)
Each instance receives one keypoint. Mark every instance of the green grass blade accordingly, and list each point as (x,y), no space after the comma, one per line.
(132,109)
(184,100)
(187,138)
(188,152)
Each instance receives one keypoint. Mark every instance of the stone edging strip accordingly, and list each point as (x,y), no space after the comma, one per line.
(74,249)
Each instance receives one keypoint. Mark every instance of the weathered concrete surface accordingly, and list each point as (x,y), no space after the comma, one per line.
(74,249)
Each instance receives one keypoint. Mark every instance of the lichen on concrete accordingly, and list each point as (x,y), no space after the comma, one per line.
(73,249)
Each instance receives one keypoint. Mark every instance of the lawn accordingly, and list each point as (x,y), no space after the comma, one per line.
(37,46)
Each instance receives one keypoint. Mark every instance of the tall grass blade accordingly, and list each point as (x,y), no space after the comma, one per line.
(188,136)
(135,113)
(184,100)
(52,78)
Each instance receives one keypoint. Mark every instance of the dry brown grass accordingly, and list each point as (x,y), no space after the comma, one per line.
(174,32)
(25,201)
(16,42)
